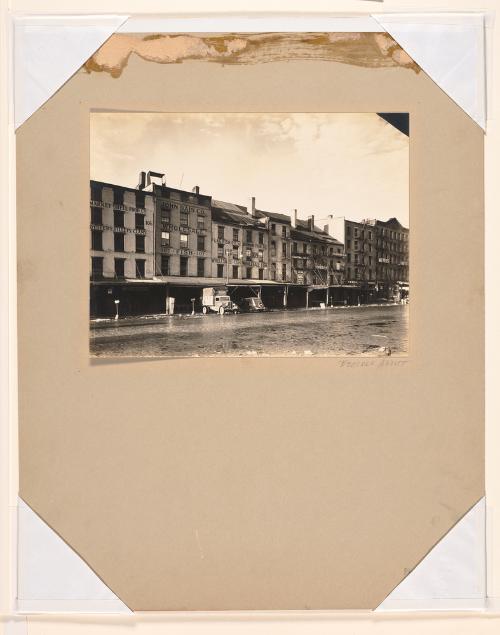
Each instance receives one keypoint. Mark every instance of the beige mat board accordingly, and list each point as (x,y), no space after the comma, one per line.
(336,476)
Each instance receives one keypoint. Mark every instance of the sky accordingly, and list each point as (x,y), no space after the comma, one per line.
(346,164)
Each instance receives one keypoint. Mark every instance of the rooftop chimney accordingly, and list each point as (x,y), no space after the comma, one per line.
(294,218)
(327,228)
(142,181)
(196,189)
(310,223)
(253,206)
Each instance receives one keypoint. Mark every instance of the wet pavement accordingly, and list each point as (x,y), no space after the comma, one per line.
(364,330)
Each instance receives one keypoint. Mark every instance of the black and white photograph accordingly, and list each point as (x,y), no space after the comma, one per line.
(249,235)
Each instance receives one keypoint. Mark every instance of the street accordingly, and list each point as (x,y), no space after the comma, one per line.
(363,330)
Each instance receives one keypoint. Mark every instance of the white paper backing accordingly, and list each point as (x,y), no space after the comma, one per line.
(453,574)
(49,50)
(51,577)
(450,48)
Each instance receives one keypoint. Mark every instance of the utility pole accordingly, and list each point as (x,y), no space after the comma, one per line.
(228,253)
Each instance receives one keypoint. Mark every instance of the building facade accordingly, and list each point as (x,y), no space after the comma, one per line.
(156,246)
(121,251)
(377,256)
(121,233)
(240,244)
(317,258)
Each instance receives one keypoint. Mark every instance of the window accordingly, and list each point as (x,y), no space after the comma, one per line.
(200,267)
(184,241)
(355,244)
(200,222)
(184,219)
(118,218)
(235,271)
(295,249)
(369,235)
(261,274)
(140,199)
(165,239)
(249,235)
(96,240)
(261,238)
(119,242)
(165,265)
(283,249)
(220,271)
(348,230)
(248,253)
(236,235)
(120,267)
(95,192)
(183,266)
(261,254)
(348,257)
(248,272)
(96,216)
(220,252)
(97,267)
(140,268)
(165,215)
(139,244)
(283,231)
(356,231)
(273,229)
(220,232)
(118,197)
(273,248)
(283,272)
(139,221)
(200,243)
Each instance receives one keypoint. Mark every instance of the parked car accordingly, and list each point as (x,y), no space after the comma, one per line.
(217,300)
(251,305)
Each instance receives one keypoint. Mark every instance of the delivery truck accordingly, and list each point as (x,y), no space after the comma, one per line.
(217,300)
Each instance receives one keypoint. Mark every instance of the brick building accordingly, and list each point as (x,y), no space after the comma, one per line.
(121,248)
(376,254)
(239,244)
(157,246)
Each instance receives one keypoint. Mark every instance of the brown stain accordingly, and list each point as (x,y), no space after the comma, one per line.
(372,50)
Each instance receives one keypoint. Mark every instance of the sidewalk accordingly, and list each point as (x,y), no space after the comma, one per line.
(161,318)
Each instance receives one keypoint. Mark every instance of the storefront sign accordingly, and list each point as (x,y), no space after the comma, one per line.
(183,252)
(119,230)
(183,228)
(118,206)
(182,207)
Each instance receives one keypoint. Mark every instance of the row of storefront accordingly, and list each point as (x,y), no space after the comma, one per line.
(132,298)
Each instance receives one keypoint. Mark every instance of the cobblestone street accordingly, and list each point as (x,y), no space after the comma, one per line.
(364,330)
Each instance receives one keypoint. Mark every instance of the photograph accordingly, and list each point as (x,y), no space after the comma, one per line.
(249,234)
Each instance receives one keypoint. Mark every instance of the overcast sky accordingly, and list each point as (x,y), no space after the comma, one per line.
(353,165)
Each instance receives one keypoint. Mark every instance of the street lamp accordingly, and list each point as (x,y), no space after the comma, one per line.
(193,300)
(117,305)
